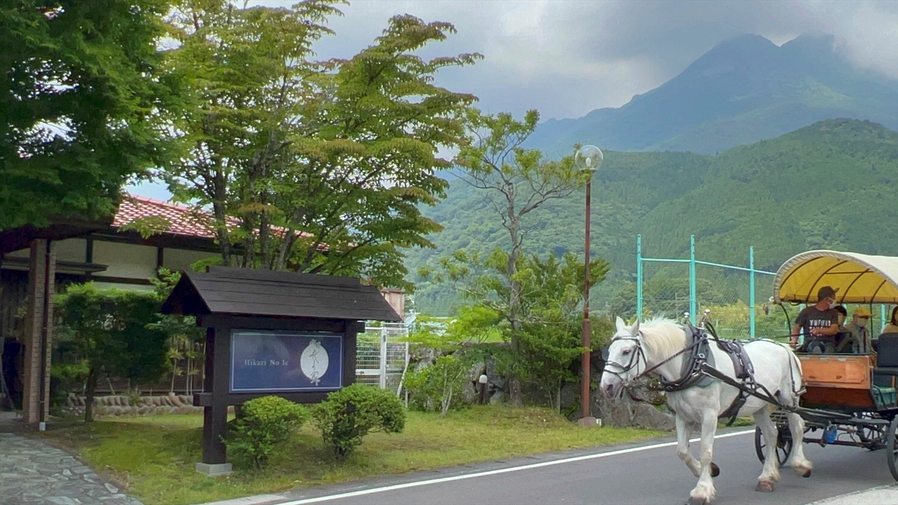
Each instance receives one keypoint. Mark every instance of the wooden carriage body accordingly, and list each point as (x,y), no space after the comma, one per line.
(846,382)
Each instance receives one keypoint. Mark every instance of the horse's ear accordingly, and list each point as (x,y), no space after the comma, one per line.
(635,329)
(621,325)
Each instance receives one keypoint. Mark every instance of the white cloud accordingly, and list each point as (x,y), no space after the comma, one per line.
(568,57)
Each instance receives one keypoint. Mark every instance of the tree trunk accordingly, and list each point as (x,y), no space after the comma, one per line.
(558,398)
(514,304)
(90,388)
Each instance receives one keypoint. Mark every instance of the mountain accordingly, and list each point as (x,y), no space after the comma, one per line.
(741,91)
(828,185)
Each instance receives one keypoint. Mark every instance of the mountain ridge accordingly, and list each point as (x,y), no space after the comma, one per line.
(743,90)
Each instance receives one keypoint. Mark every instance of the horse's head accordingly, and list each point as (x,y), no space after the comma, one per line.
(624,357)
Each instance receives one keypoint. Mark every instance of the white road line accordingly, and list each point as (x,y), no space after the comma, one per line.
(430,482)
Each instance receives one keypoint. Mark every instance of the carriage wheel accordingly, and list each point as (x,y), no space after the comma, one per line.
(783,445)
(892,447)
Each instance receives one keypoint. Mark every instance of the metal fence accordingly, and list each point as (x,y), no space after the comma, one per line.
(674,286)
(738,298)
(382,355)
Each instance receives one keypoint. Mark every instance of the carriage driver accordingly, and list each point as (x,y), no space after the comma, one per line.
(818,323)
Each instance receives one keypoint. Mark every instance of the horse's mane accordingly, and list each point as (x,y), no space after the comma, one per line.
(662,336)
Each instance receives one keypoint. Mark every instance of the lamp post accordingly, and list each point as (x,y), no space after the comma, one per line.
(588,159)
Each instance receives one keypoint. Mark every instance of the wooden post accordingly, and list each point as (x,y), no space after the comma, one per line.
(215,416)
(38,328)
(350,333)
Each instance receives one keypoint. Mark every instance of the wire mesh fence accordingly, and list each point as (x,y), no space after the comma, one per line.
(733,297)
(382,355)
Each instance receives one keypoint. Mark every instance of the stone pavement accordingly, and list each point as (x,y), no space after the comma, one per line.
(33,471)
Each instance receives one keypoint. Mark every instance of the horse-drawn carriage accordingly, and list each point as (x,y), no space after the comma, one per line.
(850,398)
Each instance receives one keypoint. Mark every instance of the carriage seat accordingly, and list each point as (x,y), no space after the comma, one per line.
(885,374)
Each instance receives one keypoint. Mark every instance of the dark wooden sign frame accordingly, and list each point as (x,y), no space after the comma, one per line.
(225,299)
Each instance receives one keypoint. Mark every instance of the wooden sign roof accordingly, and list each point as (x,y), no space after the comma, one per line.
(250,292)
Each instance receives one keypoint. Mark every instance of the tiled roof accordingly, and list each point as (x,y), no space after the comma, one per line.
(181,220)
(185,221)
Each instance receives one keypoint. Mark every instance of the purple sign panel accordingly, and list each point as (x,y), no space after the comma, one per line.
(283,361)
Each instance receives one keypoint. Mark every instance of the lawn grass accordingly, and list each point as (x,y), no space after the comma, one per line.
(153,457)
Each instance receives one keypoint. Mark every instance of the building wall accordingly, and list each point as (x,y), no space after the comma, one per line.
(181,259)
(125,260)
(396,299)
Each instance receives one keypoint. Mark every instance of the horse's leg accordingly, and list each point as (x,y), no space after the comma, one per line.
(704,490)
(770,473)
(683,434)
(797,460)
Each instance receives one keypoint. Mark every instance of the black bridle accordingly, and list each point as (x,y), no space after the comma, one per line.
(635,358)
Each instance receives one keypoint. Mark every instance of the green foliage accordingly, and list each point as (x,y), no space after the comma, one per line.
(263,425)
(439,385)
(114,333)
(473,324)
(349,414)
(183,333)
(782,196)
(551,301)
(80,91)
(325,164)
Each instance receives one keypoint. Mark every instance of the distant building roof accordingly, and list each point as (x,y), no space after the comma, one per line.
(187,221)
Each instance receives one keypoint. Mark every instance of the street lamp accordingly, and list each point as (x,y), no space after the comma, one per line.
(588,159)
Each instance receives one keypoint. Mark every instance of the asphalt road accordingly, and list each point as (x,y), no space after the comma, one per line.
(639,474)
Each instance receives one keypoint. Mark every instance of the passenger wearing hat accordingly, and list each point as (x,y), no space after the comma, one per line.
(818,323)
(859,339)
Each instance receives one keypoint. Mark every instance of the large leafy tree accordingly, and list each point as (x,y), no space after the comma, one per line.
(550,298)
(516,181)
(312,166)
(78,94)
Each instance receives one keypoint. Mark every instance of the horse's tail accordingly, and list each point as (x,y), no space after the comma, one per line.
(795,374)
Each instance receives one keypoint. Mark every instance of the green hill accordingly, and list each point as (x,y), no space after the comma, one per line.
(828,185)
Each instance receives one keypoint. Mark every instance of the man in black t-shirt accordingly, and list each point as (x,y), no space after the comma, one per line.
(818,322)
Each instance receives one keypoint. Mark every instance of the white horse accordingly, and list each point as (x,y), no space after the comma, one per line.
(659,346)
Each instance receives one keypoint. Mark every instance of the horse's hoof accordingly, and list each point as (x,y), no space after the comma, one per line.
(806,474)
(696,501)
(764,486)
(715,470)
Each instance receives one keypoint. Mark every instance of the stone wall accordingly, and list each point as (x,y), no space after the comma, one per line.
(124,405)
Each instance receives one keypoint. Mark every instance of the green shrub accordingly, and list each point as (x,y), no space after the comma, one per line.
(263,424)
(349,414)
(439,386)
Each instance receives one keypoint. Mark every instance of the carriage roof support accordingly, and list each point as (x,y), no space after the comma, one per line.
(858,278)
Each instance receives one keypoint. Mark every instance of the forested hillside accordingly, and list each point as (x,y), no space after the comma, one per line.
(828,185)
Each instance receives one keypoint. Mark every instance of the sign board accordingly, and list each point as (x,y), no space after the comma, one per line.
(283,361)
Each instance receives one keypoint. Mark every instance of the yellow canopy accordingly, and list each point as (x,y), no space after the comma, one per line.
(858,278)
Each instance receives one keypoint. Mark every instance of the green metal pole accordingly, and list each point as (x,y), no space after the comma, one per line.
(693,305)
(639,278)
(751,292)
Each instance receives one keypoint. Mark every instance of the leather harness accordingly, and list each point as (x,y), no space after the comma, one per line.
(699,360)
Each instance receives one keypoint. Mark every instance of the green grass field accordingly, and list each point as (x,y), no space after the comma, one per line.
(153,457)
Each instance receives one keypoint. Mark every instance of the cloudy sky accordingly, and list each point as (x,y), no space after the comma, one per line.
(568,57)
